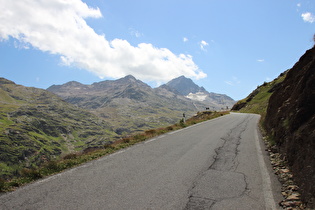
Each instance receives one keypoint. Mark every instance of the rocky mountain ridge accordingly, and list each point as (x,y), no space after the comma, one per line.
(130,104)
(186,87)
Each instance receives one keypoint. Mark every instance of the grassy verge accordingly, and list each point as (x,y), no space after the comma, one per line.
(27,175)
(257,101)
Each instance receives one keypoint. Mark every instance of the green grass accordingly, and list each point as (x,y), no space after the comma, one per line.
(259,102)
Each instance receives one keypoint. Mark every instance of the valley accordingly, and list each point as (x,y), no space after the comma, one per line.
(39,125)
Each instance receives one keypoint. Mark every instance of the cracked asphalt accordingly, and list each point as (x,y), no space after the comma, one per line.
(218,164)
(230,183)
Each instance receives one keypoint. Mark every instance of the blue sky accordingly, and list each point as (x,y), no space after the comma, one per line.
(228,47)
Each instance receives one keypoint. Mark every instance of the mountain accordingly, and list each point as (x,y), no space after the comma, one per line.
(101,94)
(288,116)
(131,105)
(37,125)
(186,87)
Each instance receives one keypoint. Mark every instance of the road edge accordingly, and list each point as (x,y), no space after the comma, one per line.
(268,189)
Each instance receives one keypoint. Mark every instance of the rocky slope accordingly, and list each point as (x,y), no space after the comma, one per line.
(186,87)
(290,119)
(129,104)
(36,126)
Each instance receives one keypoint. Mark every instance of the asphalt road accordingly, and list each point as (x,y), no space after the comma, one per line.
(218,164)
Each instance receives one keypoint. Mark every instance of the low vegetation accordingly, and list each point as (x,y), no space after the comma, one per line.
(257,101)
(50,167)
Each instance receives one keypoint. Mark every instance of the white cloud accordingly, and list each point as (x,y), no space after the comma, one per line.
(298,7)
(233,82)
(261,60)
(20,45)
(135,33)
(58,27)
(308,17)
(185,39)
(229,83)
(203,44)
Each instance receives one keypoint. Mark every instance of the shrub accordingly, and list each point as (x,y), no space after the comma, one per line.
(14,184)
(182,123)
(70,156)
(31,173)
(52,166)
(139,137)
(150,132)
(108,146)
(2,185)
(126,140)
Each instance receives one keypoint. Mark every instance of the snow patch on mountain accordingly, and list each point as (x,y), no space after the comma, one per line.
(199,96)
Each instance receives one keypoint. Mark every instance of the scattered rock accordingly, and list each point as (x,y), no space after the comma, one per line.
(284,170)
(293,187)
(292,198)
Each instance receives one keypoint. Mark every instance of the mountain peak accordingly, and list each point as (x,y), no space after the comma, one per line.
(65,87)
(129,77)
(184,86)
(73,84)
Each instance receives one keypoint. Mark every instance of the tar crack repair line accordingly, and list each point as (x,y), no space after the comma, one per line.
(220,171)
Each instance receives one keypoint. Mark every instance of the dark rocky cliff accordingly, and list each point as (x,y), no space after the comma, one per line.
(290,119)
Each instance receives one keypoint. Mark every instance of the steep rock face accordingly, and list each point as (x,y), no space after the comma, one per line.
(291,121)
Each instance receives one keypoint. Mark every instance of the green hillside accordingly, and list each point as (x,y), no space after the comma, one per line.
(257,101)
(37,126)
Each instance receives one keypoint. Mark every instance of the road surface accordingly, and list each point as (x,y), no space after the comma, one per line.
(218,164)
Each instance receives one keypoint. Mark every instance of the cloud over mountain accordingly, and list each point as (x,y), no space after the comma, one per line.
(59,27)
